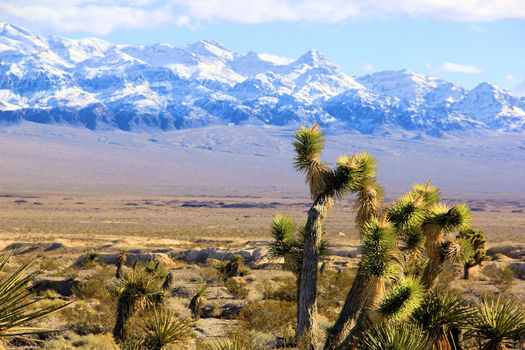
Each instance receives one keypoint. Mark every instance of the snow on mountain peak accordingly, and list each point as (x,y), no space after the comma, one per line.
(210,49)
(95,83)
(314,58)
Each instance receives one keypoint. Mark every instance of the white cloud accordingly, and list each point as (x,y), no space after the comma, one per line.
(104,16)
(275,59)
(520,89)
(96,17)
(368,67)
(450,67)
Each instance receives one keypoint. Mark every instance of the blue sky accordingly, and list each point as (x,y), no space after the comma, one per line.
(464,41)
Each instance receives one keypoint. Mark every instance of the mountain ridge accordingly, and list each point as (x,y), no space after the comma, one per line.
(100,85)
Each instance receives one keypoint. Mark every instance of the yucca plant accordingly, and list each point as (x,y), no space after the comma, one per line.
(235,342)
(163,328)
(443,317)
(498,325)
(121,261)
(477,254)
(394,337)
(198,299)
(134,290)
(15,302)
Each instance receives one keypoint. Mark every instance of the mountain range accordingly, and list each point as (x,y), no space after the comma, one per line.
(98,85)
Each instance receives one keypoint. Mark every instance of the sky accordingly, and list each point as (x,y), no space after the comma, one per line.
(463,41)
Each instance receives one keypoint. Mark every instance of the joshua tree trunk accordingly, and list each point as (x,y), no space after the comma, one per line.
(355,300)
(307,306)
(376,292)
(466,274)
(125,309)
(435,260)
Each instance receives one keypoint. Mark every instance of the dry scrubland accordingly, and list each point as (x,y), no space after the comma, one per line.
(189,236)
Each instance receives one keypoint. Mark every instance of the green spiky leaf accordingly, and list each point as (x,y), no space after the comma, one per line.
(394,337)
(401,300)
(378,250)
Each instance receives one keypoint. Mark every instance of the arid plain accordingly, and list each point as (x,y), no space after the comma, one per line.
(189,235)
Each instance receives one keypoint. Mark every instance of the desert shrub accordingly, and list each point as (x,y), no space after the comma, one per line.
(502,277)
(90,260)
(285,290)
(91,289)
(211,275)
(156,268)
(448,274)
(237,287)
(270,316)
(233,268)
(333,287)
(84,342)
(85,318)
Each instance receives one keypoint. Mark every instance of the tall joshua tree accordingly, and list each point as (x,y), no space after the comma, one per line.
(325,184)
(478,254)
(416,223)
(378,264)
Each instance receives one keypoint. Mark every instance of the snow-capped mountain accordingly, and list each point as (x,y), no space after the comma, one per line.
(99,85)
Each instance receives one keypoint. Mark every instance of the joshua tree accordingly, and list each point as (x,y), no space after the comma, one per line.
(412,225)
(350,174)
(121,261)
(442,317)
(478,254)
(16,308)
(379,262)
(198,299)
(497,325)
(168,281)
(163,328)
(138,289)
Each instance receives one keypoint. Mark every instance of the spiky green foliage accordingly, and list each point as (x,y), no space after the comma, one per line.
(289,244)
(413,239)
(439,314)
(136,289)
(163,328)
(235,342)
(442,218)
(309,144)
(475,252)
(196,302)
(498,325)
(430,195)
(378,249)
(394,337)
(368,203)
(16,304)
(401,300)
(405,213)
(354,174)
(283,233)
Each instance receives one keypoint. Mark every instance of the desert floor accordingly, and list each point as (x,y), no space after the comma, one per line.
(189,235)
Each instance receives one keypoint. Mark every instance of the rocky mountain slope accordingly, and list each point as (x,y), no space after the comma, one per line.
(99,85)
